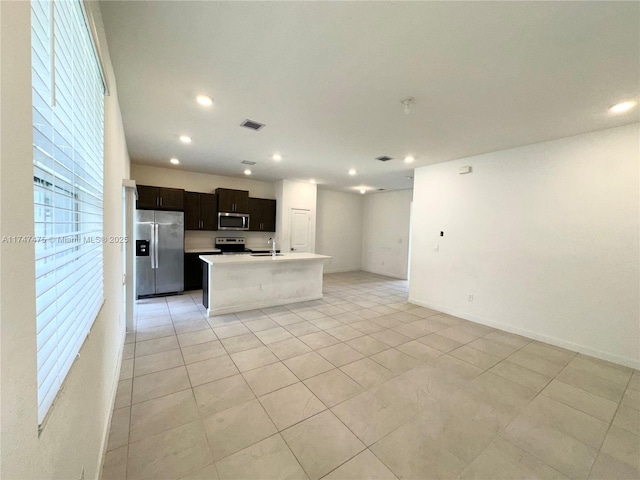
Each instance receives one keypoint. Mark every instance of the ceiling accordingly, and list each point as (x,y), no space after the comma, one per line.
(327,79)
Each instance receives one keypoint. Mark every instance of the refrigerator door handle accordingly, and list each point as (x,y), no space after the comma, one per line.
(155,241)
(152,246)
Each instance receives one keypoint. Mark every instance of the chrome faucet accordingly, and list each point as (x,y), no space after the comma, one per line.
(272,241)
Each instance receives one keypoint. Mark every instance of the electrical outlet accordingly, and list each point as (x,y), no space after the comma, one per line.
(470,298)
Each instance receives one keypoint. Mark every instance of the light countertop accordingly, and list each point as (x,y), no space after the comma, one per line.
(248,259)
(201,250)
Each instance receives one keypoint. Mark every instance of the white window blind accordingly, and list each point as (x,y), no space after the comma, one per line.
(68,137)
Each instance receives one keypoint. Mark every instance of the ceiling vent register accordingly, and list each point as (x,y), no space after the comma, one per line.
(384,158)
(252,125)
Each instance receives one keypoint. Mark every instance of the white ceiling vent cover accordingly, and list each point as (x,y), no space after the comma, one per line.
(252,125)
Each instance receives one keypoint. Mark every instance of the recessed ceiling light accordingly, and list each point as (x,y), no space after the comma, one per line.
(277,157)
(204,100)
(175,161)
(312,181)
(408,159)
(185,138)
(623,106)
(247,172)
(363,191)
(352,172)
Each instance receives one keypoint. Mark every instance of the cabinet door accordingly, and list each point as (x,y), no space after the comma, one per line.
(192,271)
(147,197)
(192,211)
(226,200)
(241,201)
(268,215)
(171,199)
(255,214)
(209,211)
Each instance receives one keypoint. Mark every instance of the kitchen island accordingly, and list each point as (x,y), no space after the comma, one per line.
(234,283)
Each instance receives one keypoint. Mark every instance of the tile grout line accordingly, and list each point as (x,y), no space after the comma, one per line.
(604,437)
(354,292)
(201,420)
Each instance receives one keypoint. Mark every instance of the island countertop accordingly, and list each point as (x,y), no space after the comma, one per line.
(203,251)
(250,259)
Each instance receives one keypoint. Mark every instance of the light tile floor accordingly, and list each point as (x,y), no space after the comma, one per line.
(361,385)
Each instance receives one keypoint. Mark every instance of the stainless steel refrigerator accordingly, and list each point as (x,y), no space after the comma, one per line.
(159,252)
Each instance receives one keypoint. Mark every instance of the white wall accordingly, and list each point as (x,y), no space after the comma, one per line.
(545,237)
(385,233)
(291,194)
(197,182)
(339,230)
(75,432)
(205,183)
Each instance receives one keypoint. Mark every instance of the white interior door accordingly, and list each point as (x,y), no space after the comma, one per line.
(300,223)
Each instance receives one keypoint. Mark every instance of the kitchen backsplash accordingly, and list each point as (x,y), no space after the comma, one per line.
(194,239)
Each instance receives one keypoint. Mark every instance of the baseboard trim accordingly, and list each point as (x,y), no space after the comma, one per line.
(112,403)
(384,274)
(558,342)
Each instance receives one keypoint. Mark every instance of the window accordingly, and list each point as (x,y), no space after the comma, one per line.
(68,136)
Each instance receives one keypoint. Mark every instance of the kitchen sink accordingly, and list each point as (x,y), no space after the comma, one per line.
(266,254)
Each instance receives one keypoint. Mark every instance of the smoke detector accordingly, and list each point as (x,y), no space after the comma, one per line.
(407,102)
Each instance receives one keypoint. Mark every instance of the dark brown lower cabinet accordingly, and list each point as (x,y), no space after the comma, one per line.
(192,271)
(205,286)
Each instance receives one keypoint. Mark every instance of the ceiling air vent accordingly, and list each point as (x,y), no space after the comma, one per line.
(381,189)
(252,125)
(247,162)
(384,158)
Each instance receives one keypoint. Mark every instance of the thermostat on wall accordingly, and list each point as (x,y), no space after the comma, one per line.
(464,170)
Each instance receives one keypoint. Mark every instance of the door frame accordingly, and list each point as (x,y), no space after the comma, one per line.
(129,197)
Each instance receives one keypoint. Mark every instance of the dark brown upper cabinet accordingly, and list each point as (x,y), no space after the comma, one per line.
(200,211)
(236,201)
(262,215)
(159,198)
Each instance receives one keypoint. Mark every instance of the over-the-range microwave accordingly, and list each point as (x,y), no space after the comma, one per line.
(233,221)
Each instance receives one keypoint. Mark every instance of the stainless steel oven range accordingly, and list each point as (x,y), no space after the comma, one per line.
(232,245)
